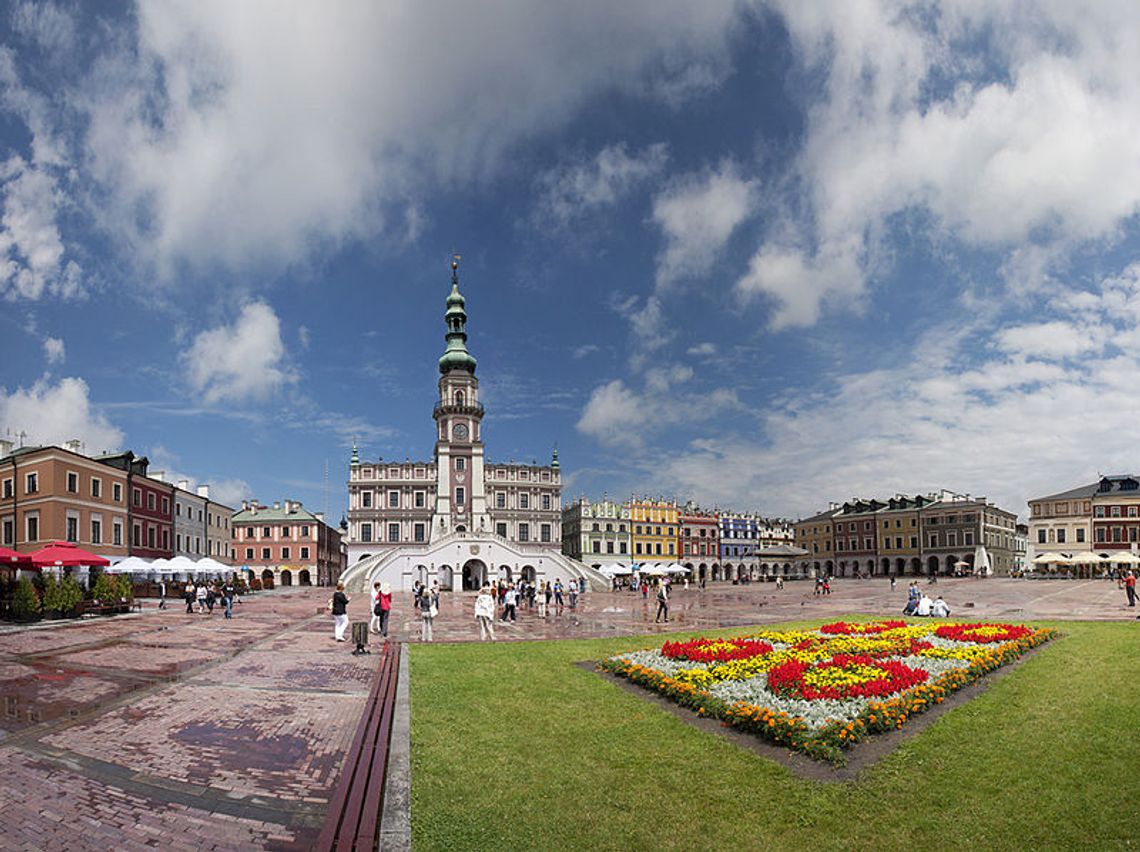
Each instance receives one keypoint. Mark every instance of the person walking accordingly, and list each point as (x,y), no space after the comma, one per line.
(162,594)
(662,603)
(200,597)
(228,592)
(543,599)
(385,608)
(1130,587)
(211,597)
(188,596)
(374,621)
(338,606)
(429,609)
(485,613)
(558,596)
(573,593)
(510,602)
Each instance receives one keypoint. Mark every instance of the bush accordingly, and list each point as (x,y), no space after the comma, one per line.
(126,589)
(25,602)
(106,589)
(61,596)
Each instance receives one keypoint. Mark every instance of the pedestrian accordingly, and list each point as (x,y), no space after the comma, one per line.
(662,603)
(385,608)
(211,597)
(485,613)
(1130,587)
(892,582)
(338,606)
(200,597)
(188,596)
(228,592)
(162,594)
(510,601)
(429,609)
(558,596)
(573,592)
(374,621)
(544,601)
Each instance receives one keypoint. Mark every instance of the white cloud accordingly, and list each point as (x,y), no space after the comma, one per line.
(53,413)
(303,336)
(54,350)
(31,248)
(1004,126)
(612,415)
(703,350)
(575,188)
(697,215)
(1053,340)
(242,362)
(584,350)
(238,133)
(46,25)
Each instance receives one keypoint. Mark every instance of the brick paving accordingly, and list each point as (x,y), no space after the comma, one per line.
(174,731)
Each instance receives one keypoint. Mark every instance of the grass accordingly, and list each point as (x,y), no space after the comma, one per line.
(513,746)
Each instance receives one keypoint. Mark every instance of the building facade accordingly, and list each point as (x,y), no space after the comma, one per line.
(457,520)
(597,533)
(654,529)
(698,543)
(57,494)
(1116,514)
(286,544)
(151,507)
(1062,522)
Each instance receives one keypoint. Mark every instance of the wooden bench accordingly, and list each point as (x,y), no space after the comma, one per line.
(353,818)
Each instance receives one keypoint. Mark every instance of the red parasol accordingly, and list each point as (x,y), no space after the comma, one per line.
(65,554)
(14,559)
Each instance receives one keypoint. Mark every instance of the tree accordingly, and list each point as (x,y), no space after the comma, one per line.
(61,596)
(25,602)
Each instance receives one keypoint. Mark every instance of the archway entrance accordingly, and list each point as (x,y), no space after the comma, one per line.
(932,566)
(461,528)
(286,577)
(529,575)
(474,575)
(267,578)
(305,578)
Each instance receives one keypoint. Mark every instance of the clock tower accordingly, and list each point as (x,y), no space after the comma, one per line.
(460,497)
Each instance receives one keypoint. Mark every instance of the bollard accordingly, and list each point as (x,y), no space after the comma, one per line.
(360,637)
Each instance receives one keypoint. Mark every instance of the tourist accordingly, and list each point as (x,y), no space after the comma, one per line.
(939,609)
(573,592)
(200,597)
(662,603)
(385,608)
(338,606)
(162,594)
(417,591)
(429,609)
(892,582)
(558,595)
(228,592)
(510,602)
(188,595)
(826,584)
(485,613)
(531,592)
(211,597)
(925,604)
(374,621)
(779,582)
(686,583)
(544,600)
(1130,587)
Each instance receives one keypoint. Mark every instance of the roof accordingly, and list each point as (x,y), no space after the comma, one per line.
(822,516)
(268,513)
(1081,491)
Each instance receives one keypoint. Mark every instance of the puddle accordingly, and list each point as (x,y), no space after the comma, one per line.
(241,748)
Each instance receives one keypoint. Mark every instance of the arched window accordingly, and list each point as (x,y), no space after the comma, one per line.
(459,397)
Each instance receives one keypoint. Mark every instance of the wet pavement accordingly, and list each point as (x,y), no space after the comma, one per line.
(174,731)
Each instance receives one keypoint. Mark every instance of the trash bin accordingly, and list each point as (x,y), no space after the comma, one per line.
(360,637)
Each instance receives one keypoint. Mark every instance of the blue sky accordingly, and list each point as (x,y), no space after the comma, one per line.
(759,255)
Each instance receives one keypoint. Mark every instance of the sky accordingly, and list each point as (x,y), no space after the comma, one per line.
(762,256)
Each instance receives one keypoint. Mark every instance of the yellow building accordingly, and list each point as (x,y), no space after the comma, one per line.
(654,530)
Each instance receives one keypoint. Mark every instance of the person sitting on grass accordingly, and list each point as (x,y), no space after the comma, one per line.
(940,609)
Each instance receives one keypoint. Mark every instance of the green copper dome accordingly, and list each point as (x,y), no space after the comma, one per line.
(456,356)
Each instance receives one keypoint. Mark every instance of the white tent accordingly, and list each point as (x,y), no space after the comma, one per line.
(677,568)
(1049,559)
(132,565)
(213,566)
(615,569)
(181,565)
(982,561)
(1124,558)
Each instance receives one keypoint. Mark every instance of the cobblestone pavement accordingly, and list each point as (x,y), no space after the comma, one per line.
(175,731)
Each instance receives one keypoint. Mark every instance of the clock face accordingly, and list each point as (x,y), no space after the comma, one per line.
(461,431)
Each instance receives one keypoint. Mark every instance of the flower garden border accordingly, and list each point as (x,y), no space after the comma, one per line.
(826,763)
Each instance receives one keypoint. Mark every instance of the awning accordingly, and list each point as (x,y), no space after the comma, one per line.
(14,558)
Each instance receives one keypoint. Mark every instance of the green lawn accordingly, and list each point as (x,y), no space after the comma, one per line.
(514,747)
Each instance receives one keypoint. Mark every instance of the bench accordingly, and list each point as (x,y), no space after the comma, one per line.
(353,817)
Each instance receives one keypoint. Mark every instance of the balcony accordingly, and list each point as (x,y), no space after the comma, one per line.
(440,408)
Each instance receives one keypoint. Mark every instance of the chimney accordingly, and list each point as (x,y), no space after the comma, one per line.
(5,447)
(73,446)
(184,484)
(320,516)
(160,475)
(253,507)
(276,504)
(204,491)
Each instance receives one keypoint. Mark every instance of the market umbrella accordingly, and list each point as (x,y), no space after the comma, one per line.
(64,554)
(14,558)
(1049,559)
(1125,557)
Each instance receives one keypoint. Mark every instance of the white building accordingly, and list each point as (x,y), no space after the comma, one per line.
(458,519)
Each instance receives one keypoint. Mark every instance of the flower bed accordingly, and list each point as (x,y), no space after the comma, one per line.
(821,691)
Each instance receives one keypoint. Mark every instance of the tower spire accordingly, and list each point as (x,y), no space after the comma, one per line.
(456,356)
